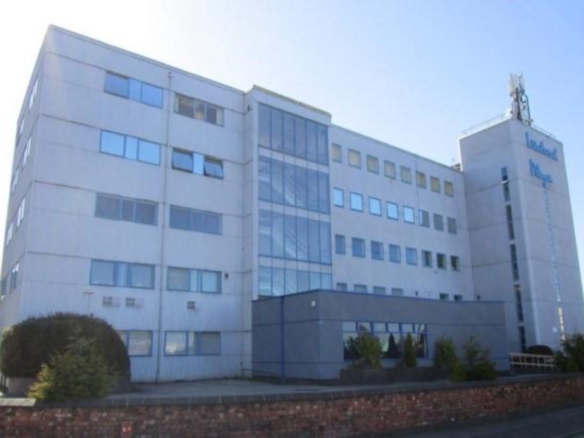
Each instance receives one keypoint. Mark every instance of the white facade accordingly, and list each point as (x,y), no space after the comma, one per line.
(120,160)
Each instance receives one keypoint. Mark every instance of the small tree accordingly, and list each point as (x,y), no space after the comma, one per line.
(573,347)
(445,357)
(79,372)
(476,363)
(410,359)
(367,349)
(392,348)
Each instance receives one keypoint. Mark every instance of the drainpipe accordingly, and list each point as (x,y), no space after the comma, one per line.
(282,343)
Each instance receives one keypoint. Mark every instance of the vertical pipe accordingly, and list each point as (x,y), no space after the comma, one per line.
(282,343)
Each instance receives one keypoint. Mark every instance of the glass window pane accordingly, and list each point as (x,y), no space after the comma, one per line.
(289,134)
(323,193)
(451,225)
(102,273)
(184,105)
(264,126)
(411,256)
(178,279)
(392,211)
(354,158)
(199,110)
(375,206)
(300,136)
(180,218)
(277,235)
(301,187)
(421,179)
(195,280)
(325,243)
(278,277)
(338,197)
(448,188)
(435,184)
(277,182)
(313,241)
(340,244)
(358,247)
(291,281)
(314,278)
(395,253)
(289,184)
(213,168)
(128,210)
(312,190)
(302,235)
(142,276)
(408,215)
(121,274)
(326,281)
(149,152)
(117,84)
(337,153)
(210,343)
(212,223)
(406,174)
(290,237)
(182,160)
(372,164)
(112,143)
(322,143)
(389,169)
(438,222)
(265,233)
(356,202)
(146,213)
(175,344)
(264,177)
(107,207)
(135,89)
(210,281)
(139,343)
(277,129)
(151,95)
(131,151)
(311,148)
(265,281)
(192,343)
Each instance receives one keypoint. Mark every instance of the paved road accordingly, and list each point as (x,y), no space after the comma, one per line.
(564,423)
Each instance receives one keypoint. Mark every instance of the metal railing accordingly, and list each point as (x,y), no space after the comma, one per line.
(522,361)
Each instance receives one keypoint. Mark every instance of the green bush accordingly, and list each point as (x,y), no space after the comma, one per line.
(476,364)
(445,357)
(410,359)
(80,372)
(540,349)
(366,351)
(573,349)
(28,345)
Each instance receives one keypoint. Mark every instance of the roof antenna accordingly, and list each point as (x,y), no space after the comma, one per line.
(519,100)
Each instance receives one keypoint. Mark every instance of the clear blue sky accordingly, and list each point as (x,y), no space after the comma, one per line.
(410,73)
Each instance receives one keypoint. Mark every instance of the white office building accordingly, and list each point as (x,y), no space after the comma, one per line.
(167,203)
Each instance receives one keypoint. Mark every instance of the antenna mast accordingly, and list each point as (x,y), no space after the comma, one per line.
(519,100)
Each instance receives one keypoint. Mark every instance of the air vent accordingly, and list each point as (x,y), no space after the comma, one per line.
(191,305)
(109,301)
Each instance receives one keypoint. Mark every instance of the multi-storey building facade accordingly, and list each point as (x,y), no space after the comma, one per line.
(167,203)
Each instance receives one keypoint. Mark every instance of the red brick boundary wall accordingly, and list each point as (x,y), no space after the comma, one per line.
(346,413)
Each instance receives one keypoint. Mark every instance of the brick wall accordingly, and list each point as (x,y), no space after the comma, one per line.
(332,414)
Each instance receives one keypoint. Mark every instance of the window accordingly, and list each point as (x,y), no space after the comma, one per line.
(435,184)
(356,202)
(372,164)
(358,247)
(121,274)
(179,343)
(33,93)
(510,228)
(448,188)
(376,250)
(196,220)
(362,288)
(394,253)
(455,263)
(193,280)
(411,256)
(514,263)
(518,302)
(441,261)
(9,233)
(379,290)
(438,222)
(505,183)
(14,277)
(405,174)
(426,259)
(457,297)
(133,89)
(129,147)
(354,158)
(198,109)
(197,163)
(26,152)
(375,206)
(408,214)
(20,213)
(342,287)
(421,179)
(126,209)
(337,153)
(339,197)
(444,297)
(451,223)
(392,211)
(389,169)
(14,182)
(292,135)
(424,218)
(340,244)
(397,291)
(137,342)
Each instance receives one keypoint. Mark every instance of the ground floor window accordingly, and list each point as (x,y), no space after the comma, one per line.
(137,342)
(391,335)
(184,343)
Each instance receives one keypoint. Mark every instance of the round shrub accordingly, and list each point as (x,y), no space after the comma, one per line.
(31,343)
(410,359)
